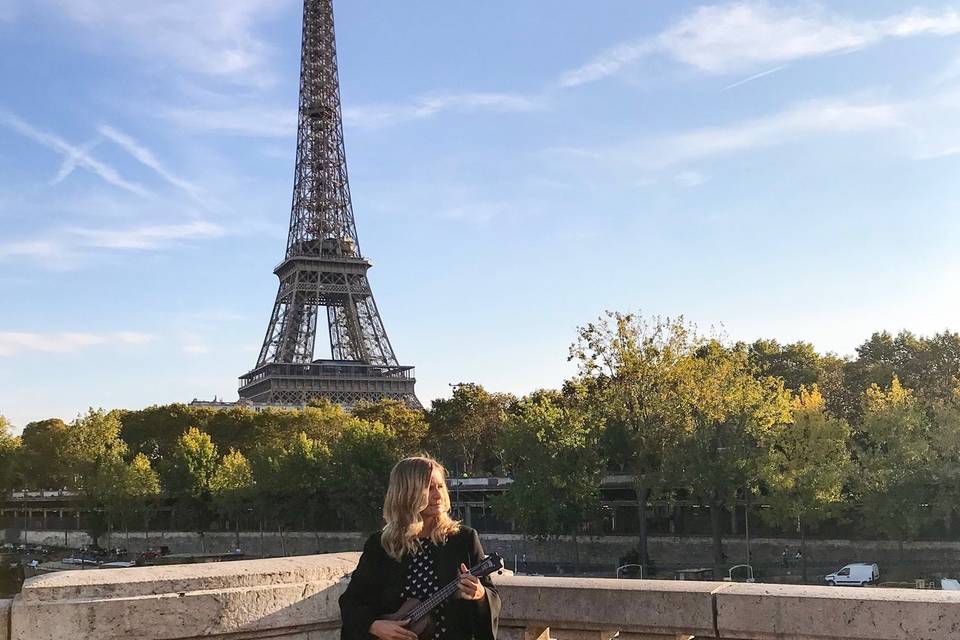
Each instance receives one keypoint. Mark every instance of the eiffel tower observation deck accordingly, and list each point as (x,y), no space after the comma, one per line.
(323,266)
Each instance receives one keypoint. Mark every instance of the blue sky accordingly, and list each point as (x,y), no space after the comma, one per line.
(784,170)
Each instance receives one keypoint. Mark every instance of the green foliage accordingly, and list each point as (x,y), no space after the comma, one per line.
(729,414)
(554,458)
(10,451)
(192,464)
(466,430)
(302,476)
(893,450)
(929,367)
(232,485)
(631,371)
(43,454)
(797,364)
(683,414)
(125,490)
(408,425)
(807,463)
(93,446)
(362,456)
(188,475)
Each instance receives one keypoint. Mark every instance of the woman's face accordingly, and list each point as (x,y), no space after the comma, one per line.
(434,496)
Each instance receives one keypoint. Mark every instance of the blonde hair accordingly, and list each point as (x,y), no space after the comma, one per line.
(407,496)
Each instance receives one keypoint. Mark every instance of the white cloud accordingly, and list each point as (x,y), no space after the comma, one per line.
(755,76)
(376,116)
(148,237)
(742,35)
(149,159)
(73,156)
(803,120)
(271,122)
(12,342)
(71,159)
(252,122)
(807,119)
(64,249)
(29,248)
(213,37)
(608,62)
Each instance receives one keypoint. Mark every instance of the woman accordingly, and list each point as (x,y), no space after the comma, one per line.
(420,550)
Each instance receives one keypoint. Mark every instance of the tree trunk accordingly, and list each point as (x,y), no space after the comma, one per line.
(716,530)
(283,544)
(576,553)
(237,532)
(803,554)
(642,495)
(746,521)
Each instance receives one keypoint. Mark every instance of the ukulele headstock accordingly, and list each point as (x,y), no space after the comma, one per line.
(492,563)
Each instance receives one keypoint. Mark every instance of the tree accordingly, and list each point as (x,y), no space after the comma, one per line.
(631,372)
(929,367)
(807,463)
(553,455)
(10,449)
(142,490)
(409,425)
(361,459)
(124,490)
(465,430)
(797,364)
(188,473)
(43,454)
(304,471)
(231,487)
(893,454)
(945,460)
(94,457)
(729,413)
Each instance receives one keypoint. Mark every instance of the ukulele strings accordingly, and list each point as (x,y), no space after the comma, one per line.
(427,605)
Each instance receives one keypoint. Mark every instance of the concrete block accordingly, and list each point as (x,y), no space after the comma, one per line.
(5,619)
(604,604)
(290,596)
(773,612)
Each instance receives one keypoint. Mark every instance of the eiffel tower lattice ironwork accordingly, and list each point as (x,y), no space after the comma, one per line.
(323,266)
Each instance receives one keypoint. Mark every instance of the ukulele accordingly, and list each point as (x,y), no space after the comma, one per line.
(419,612)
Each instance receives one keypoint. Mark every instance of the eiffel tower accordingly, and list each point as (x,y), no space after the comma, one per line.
(323,266)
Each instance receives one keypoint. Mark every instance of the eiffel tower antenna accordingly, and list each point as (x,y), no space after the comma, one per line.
(323,266)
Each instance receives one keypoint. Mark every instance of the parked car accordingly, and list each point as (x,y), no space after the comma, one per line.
(858,574)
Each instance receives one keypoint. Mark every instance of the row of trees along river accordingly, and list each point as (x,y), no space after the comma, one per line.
(812,436)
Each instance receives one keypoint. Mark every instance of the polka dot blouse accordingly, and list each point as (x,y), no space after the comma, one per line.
(421,582)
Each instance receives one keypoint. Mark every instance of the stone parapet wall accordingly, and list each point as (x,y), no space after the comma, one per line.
(296,599)
(293,598)
(5,619)
(594,609)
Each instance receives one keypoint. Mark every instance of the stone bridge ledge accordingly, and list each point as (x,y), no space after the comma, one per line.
(296,599)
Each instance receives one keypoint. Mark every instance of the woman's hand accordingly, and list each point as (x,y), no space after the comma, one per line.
(392,630)
(470,587)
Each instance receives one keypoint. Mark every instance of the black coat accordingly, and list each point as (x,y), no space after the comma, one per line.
(376,585)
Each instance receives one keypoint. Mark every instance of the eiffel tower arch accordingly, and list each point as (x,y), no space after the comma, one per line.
(323,266)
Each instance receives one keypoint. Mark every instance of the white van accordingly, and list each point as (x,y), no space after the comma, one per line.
(858,573)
